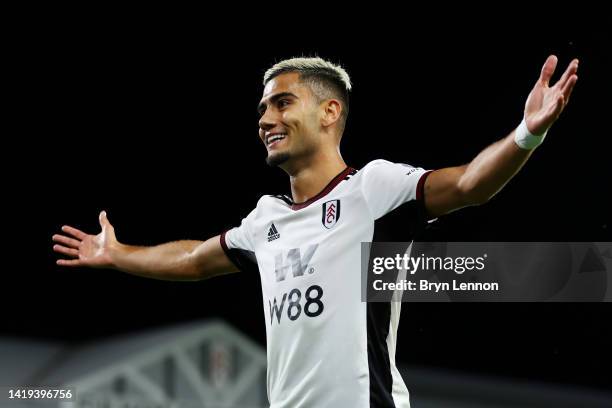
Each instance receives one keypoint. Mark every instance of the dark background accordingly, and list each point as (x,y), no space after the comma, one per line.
(157,124)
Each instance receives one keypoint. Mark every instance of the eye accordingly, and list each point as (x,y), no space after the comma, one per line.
(283,102)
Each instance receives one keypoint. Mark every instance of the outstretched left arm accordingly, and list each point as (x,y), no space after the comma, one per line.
(475,183)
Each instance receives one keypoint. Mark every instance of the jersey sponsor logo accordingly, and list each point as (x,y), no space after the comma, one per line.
(294,261)
(273,233)
(312,305)
(331,213)
(296,302)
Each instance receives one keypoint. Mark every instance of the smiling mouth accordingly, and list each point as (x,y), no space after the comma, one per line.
(275,138)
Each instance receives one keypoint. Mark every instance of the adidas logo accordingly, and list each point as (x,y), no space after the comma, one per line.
(273,233)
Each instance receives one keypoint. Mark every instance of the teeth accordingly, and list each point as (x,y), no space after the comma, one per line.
(274,138)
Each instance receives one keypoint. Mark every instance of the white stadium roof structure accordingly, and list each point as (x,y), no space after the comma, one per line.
(203,364)
(208,364)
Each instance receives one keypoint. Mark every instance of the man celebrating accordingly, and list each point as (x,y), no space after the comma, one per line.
(327,348)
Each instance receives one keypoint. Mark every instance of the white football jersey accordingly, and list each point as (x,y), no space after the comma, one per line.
(325,347)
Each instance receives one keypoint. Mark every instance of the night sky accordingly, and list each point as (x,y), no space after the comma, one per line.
(159,127)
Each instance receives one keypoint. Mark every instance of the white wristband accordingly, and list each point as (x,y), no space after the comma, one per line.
(524,139)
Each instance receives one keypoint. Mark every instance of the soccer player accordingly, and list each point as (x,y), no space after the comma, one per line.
(327,348)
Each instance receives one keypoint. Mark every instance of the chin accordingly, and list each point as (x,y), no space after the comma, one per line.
(276,159)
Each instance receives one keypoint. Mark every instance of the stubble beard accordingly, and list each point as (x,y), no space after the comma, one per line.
(276,160)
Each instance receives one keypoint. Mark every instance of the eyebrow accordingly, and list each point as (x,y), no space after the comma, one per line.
(262,105)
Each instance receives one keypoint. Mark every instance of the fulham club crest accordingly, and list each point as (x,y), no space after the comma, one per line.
(331,213)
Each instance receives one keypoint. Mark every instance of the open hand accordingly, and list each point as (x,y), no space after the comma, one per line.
(545,103)
(85,249)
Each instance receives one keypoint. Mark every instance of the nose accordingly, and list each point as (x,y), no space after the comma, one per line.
(266,122)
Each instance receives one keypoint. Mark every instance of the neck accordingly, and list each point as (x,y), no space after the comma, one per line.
(310,177)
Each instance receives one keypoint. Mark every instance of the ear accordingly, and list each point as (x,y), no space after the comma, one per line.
(332,109)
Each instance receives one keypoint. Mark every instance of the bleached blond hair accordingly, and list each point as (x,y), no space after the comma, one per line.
(312,66)
(325,79)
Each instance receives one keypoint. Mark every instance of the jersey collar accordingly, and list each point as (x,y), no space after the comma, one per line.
(326,190)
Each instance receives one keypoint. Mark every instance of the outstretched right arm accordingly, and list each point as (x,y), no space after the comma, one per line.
(180,260)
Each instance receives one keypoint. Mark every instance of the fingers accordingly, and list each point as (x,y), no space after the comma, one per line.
(567,89)
(69,242)
(548,69)
(103,219)
(74,232)
(68,262)
(571,70)
(66,251)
